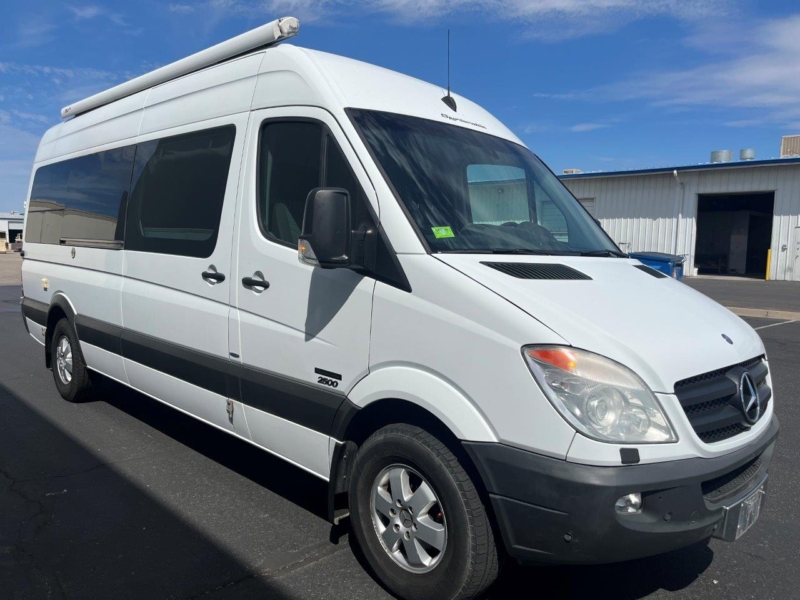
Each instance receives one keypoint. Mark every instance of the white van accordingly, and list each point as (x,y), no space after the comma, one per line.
(378,282)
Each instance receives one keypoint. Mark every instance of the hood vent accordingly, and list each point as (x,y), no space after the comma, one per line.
(536,270)
(651,271)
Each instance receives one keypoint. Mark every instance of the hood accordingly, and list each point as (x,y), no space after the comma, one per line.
(660,328)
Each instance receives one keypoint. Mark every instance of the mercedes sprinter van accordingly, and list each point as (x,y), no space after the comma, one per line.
(378,282)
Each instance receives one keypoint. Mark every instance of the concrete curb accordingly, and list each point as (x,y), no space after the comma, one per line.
(767,314)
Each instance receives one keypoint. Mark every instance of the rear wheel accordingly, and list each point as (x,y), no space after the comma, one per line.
(66,360)
(418,517)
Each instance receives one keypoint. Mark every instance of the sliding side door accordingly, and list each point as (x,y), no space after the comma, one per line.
(175,295)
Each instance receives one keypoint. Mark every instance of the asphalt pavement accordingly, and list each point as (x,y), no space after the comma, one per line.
(753,294)
(124,497)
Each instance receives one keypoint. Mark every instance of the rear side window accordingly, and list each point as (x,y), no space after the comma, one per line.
(178,189)
(81,200)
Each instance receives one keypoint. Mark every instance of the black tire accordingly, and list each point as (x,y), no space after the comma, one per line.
(469,562)
(78,387)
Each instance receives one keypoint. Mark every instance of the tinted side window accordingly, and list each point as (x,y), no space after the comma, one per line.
(178,189)
(289,168)
(82,199)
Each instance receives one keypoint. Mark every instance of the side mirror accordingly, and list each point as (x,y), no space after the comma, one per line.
(326,237)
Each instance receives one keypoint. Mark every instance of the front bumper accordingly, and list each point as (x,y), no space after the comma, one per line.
(553,511)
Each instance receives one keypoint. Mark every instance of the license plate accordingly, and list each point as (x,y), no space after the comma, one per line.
(749,511)
(739,517)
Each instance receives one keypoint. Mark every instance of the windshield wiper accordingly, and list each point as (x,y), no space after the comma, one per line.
(603,253)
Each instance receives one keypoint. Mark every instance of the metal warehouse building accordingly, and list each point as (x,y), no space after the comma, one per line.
(725,217)
(10,229)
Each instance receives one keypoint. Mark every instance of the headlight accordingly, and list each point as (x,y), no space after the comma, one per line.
(599,397)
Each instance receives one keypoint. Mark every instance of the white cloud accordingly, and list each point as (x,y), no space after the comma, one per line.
(56,74)
(535,127)
(34,32)
(37,93)
(584,127)
(553,20)
(26,116)
(548,20)
(180,8)
(562,96)
(89,12)
(86,12)
(758,81)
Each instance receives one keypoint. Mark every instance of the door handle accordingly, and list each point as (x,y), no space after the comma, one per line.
(252,282)
(213,277)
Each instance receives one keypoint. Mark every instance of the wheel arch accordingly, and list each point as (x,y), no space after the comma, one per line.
(60,308)
(426,390)
(402,394)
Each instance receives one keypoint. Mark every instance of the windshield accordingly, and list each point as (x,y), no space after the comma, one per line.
(472,192)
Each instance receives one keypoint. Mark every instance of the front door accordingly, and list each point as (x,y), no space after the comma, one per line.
(303,332)
(175,295)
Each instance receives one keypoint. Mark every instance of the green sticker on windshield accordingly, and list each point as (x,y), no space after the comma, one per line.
(442,232)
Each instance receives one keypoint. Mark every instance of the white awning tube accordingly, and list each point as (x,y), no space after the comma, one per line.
(265,35)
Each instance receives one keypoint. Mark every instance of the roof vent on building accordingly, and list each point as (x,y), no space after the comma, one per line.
(747,154)
(790,146)
(721,156)
(572,171)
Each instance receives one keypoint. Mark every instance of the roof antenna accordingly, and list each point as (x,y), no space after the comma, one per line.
(449,100)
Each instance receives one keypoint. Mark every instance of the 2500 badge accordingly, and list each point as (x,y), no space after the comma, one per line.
(329,382)
(328,378)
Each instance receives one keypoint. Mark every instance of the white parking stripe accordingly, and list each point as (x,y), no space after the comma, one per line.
(774,325)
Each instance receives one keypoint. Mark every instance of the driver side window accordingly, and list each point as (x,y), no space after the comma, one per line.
(289,168)
(296,157)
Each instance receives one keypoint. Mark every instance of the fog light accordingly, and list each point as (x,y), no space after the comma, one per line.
(629,505)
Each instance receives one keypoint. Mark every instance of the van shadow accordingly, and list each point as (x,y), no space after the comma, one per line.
(328,292)
(72,525)
(631,580)
(262,468)
(623,581)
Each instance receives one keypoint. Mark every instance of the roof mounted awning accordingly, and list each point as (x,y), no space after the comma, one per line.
(266,35)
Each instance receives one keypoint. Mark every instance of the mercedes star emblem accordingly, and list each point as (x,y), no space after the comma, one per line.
(748,394)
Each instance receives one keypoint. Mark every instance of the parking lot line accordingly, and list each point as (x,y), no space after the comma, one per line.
(774,325)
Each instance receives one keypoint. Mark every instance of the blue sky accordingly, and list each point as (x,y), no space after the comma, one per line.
(591,84)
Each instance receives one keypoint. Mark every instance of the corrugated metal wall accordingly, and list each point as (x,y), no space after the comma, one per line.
(639,211)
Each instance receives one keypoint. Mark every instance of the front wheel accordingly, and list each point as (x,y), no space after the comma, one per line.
(419,519)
